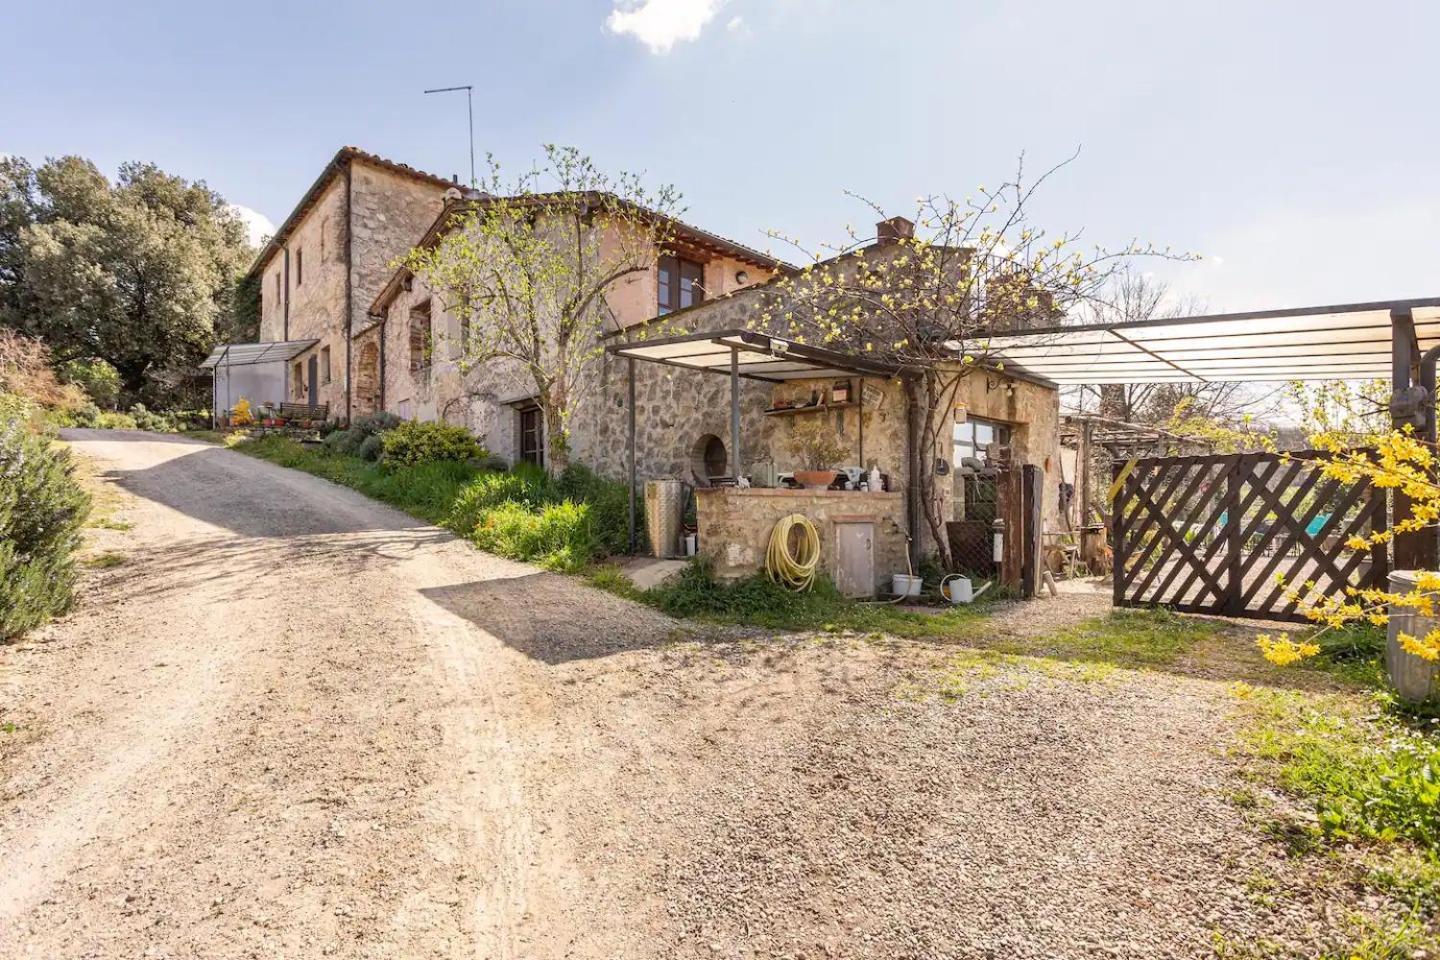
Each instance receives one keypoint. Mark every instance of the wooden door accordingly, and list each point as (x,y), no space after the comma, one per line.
(532,436)
(855,558)
(314,377)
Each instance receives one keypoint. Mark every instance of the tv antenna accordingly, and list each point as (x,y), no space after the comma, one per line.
(470,112)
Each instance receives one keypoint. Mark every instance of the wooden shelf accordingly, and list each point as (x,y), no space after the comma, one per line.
(820,408)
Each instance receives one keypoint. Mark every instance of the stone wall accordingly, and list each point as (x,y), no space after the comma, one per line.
(385,215)
(487,400)
(316,292)
(390,213)
(735,526)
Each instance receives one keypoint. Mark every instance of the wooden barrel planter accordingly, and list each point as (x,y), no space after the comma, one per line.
(1416,679)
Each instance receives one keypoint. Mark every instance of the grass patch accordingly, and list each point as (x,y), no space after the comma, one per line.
(106,560)
(1131,638)
(1369,779)
(427,491)
(695,594)
(562,523)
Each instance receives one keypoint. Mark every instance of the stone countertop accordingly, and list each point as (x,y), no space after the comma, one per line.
(795,492)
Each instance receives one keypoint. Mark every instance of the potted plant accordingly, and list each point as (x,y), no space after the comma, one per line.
(819,450)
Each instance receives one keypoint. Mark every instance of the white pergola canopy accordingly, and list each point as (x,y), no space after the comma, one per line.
(1345,342)
(248,354)
(757,356)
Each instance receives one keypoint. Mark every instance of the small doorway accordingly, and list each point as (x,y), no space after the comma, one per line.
(532,436)
(314,380)
(855,558)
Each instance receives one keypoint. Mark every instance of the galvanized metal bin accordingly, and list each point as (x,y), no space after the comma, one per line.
(664,511)
(1414,677)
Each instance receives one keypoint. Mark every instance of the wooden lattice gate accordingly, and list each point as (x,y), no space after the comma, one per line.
(1233,534)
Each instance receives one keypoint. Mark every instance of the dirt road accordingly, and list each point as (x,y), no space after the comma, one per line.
(295,723)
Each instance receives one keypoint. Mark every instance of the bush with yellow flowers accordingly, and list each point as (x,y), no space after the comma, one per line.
(1399,461)
(241,416)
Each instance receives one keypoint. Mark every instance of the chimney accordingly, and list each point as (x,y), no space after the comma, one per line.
(894,229)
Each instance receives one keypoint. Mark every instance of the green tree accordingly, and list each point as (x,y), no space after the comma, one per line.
(527,269)
(99,380)
(928,300)
(139,273)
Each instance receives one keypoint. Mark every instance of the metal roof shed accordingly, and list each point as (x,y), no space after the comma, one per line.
(256,371)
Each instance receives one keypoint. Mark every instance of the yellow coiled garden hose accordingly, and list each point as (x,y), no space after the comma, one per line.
(785,567)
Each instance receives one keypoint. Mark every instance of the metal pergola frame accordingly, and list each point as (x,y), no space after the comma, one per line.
(766,359)
(1334,342)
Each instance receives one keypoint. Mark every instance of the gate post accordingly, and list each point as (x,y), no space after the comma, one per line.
(1033,483)
(1118,483)
(1234,576)
(1409,403)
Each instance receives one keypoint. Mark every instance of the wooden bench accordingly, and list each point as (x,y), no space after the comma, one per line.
(305,411)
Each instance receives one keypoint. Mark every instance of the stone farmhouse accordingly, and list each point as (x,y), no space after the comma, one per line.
(366,337)
(328,260)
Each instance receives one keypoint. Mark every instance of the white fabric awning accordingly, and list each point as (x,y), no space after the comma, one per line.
(1346,342)
(758,356)
(246,354)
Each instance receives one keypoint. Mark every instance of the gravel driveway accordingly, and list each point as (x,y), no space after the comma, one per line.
(296,723)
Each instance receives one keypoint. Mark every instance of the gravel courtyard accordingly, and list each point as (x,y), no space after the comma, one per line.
(296,723)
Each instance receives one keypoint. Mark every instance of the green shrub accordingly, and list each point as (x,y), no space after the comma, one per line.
(99,380)
(85,415)
(146,419)
(560,536)
(15,408)
(41,512)
(529,488)
(371,448)
(609,503)
(418,441)
(115,421)
(376,422)
(345,442)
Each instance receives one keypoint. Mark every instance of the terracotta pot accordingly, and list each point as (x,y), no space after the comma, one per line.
(815,479)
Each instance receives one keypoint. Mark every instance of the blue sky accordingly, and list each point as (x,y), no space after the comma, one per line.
(1293,144)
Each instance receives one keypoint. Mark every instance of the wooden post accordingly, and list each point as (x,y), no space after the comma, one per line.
(1033,483)
(1117,533)
(1234,567)
(1410,548)
(1012,512)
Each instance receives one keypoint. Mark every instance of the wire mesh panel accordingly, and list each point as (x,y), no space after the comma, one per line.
(1235,534)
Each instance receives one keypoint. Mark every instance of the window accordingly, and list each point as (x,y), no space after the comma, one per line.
(681,284)
(532,436)
(420,336)
(324,364)
(980,493)
(277,289)
(299,267)
(974,435)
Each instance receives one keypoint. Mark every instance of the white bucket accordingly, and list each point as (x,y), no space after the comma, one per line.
(957,589)
(905,585)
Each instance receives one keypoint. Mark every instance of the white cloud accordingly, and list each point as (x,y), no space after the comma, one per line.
(736,24)
(257,225)
(660,24)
